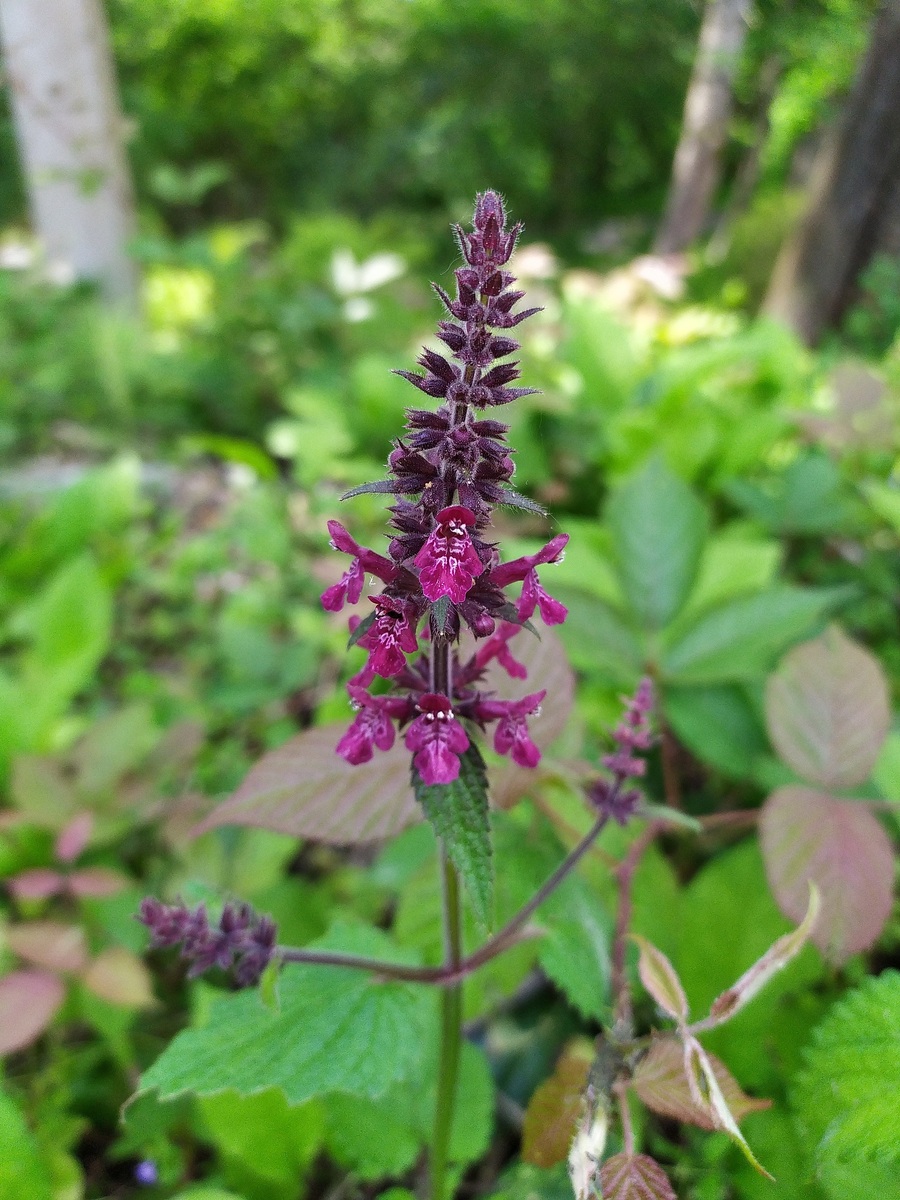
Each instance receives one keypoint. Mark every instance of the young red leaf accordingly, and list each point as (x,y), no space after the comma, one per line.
(40,883)
(49,944)
(120,977)
(634,1177)
(828,710)
(96,881)
(304,788)
(29,1000)
(553,1110)
(705,1086)
(74,837)
(661,980)
(811,837)
(779,954)
(661,1083)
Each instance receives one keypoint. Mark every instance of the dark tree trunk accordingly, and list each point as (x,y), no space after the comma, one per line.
(854,205)
(707,112)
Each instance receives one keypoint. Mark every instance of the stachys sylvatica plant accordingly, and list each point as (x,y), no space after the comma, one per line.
(354,1014)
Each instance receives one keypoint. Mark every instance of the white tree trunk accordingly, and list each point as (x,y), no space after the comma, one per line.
(70,133)
(707,111)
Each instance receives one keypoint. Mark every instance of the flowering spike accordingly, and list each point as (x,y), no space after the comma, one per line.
(447,473)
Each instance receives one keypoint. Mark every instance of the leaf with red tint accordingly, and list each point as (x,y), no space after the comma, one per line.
(634,1177)
(37,884)
(555,1106)
(660,979)
(811,837)
(303,788)
(120,977)
(703,1081)
(29,1000)
(49,944)
(97,882)
(74,837)
(661,1083)
(828,710)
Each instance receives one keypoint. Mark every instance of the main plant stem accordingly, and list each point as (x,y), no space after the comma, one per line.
(451,1032)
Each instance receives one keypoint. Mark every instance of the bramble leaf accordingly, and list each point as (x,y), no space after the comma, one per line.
(811,837)
(846,1098)
(828,710)
(458,812)
(335,1030)
(554,1107)
(658,529)
(29,1000)
(662,1084)
(660,979)
(305,789)
(634,1177)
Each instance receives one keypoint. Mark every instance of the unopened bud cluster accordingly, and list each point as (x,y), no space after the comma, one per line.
(440,573)
(242,941)
(633,737)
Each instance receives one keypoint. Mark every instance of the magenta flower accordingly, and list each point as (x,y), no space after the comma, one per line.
(437,740)
(553,612)
(373,726)
(511,735)
(391,636)
(497,646)
(448,562)
(349,587)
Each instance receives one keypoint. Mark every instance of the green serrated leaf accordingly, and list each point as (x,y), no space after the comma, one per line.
(658,531)
(336,1030)
(23,1175)
(458,812)
(440,613)
(239,1125)
(575,951)
(846,1098)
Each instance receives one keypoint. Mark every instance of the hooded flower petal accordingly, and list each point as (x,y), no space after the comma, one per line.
(437,740)
(518,568)
(391,636)
(349,587)
(511,735)
(373,726)
(448,562)
(553,612)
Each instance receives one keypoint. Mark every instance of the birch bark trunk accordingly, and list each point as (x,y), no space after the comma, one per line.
(69,129)
(707,111)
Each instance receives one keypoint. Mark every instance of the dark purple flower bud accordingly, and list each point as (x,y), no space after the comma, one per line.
(501,346)
(620,804)
(437,740)
(448,561)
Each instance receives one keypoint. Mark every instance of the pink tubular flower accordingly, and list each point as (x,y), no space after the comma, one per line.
(390,638)
(349,586)
(533,596)
(511,735)
(448,561)
(437,740)
(497,646)
(373,726)
(518,568)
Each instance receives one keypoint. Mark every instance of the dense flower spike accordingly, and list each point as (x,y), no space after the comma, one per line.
(242,941)
(447,472)
(633,738)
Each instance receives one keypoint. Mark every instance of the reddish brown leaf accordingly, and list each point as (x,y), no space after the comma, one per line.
(828,710)
(303,788)
(660,979)
(555,1106)
(36,884)
(49,944)
(661,1083)
(809,836)
(120,977)
(73,839)
(97,881)
(29,1000)
(634,1177)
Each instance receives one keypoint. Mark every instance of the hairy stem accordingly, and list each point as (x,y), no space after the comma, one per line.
(621,992)
(451,1031)
(450,974)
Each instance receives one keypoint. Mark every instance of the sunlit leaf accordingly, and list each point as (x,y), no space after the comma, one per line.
(634,1177)
(828,710)
(555,1105)
(37,884)
(838,845)
(23,1171)
(74,837)
(660,979)
(662,1084)
(120,977)
(29,1000)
